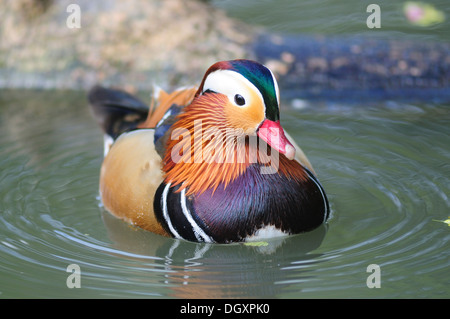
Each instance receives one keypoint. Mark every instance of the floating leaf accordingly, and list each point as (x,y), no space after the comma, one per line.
(447,221)
(257,243)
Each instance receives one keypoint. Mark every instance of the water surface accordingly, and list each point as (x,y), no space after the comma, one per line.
(385,167)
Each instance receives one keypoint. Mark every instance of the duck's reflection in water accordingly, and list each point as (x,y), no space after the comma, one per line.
(199,270)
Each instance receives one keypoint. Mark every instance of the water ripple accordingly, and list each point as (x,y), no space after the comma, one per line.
(386,175)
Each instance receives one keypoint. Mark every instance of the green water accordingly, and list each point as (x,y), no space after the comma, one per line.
(386,170)
(329,17)
(385,167)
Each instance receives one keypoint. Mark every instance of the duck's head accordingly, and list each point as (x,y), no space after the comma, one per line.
(250,94)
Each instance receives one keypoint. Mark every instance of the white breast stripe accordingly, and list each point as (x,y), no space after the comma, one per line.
(166,214)
(198,232)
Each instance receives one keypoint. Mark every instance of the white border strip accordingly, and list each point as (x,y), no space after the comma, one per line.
(166,214)
(198,232)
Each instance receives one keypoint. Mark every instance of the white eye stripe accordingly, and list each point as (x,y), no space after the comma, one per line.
(277,89)
(232,83)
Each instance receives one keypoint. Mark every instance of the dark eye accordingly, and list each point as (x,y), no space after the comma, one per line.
(239,99)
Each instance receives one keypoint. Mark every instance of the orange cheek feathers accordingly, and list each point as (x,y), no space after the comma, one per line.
(245,118)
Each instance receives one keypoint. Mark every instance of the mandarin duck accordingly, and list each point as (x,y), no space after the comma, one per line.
(208,164)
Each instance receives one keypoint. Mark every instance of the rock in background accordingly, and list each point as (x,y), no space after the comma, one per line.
(135,44)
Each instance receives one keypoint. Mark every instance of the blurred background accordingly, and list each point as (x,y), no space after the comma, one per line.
(310,45)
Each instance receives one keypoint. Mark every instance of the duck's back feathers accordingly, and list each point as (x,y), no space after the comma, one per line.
(162,117)
(164,101)
(116,111)
(131,170)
